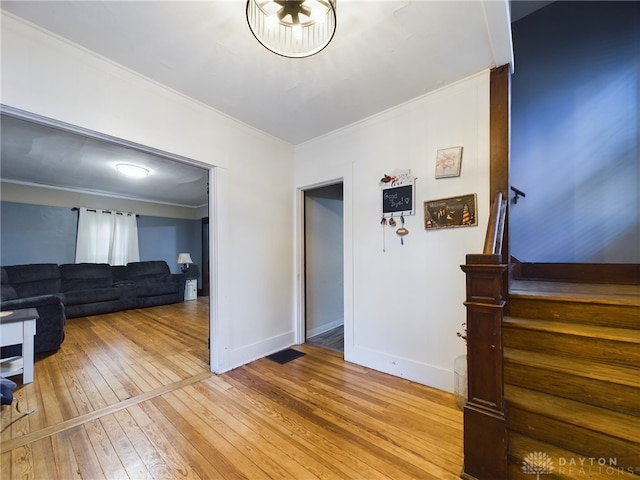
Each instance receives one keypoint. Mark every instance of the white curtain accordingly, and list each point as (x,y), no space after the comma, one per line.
(107,237)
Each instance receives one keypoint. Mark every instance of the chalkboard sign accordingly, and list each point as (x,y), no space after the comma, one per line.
(397,200)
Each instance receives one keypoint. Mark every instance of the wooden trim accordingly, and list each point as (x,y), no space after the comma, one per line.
(612,273)
(499,120)
(23,440)
(499,137)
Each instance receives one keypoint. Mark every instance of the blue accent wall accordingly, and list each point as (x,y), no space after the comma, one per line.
(575,127)
(36,234)
(44,234)
(161,238)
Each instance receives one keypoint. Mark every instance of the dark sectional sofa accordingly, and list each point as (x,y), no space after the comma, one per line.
(66,291)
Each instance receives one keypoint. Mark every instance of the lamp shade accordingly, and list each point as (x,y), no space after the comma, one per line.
(184,258)
(292,28)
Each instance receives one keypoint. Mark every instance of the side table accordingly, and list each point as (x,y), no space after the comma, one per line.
(191,290)
(18,327)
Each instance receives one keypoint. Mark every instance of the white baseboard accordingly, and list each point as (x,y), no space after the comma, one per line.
(255,351)
(423,373)
(324,328)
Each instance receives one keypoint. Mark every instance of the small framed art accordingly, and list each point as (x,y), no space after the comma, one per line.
(448,162)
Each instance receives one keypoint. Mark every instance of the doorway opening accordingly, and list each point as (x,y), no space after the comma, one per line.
(324,266)
(23,129)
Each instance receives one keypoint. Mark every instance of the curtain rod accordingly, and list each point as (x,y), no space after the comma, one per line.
(75,209)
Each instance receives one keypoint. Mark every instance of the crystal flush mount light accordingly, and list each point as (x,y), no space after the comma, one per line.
(132,170)
(292,28)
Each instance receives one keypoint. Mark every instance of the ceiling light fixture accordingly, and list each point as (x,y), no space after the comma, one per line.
(292,28)
(132,170)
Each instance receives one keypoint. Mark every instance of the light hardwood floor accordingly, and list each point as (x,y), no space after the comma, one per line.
(129,396)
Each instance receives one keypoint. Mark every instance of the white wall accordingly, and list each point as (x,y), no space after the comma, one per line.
(252,282)
(404,306)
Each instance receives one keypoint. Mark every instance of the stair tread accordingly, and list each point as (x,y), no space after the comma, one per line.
(577,292)
(574,328)
(576,366)
(598,419)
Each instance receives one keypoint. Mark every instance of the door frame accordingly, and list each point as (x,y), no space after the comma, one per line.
(300,280)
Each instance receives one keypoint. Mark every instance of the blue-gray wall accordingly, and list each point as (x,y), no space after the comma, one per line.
(162,238)
(576,133)
(36,234)
(43,234)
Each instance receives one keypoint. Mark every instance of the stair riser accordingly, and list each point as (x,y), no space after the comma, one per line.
(579,439)
(516,472)
(569,472)
(602,350)
(620,398)
(622,316)
(564,464)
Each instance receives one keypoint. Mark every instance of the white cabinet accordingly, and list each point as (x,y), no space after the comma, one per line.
(191,290)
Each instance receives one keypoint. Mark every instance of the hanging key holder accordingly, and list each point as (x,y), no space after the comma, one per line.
(398,200)
(402,231)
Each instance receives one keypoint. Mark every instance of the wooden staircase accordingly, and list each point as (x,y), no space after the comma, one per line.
(572,380)
(553,366)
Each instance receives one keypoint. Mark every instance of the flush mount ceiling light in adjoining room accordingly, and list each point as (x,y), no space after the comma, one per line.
(292,28)
(132,170)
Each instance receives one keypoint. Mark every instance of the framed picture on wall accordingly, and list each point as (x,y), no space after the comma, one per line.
(448,162)
(451,212)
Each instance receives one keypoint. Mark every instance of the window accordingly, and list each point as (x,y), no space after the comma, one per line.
(107,237)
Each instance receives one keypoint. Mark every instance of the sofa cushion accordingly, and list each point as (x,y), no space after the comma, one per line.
(120,275)
(153,289)
(84,276)
(34,279)
(149,272)
(93,295)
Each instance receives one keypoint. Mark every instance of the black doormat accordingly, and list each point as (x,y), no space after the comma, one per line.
(285,356)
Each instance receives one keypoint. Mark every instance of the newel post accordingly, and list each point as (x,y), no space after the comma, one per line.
(485,426)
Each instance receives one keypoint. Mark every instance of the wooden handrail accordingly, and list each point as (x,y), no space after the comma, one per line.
(495,228)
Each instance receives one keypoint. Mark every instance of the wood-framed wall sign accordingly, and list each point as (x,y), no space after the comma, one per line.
(461,211)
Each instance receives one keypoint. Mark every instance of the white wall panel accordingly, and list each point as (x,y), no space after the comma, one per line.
(404,306)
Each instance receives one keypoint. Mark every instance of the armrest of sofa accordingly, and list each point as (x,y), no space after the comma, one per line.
(181,280)
(56,299)
(50,325)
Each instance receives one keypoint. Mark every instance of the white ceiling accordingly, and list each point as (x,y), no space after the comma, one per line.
(384,53)
(37,154)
